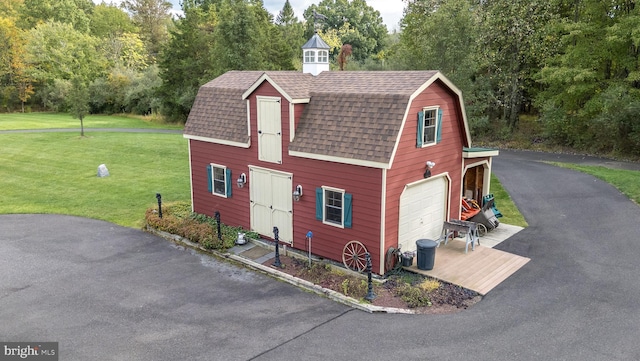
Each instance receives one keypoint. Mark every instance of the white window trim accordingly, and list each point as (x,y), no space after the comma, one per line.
(324,206)
(213,180)
(323,56)
(313,56)
(435,132)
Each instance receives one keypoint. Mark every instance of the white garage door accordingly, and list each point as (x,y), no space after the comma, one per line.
(423,208)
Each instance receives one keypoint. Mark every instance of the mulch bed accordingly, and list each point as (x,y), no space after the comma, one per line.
(447,298)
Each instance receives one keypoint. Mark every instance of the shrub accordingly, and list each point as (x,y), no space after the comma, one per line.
(429,285)
(413,296)
(178,219)
(354,287)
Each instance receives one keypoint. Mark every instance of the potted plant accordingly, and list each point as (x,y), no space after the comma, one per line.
(407,258)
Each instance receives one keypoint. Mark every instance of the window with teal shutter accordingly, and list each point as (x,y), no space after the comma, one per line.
(439,127)
(334,207)
(319,203)
(228,182)
(429,127)
(347,210)
(219,181)
(209,178)
(420,129)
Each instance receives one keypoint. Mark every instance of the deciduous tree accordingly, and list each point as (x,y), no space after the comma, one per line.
(74,12)
(56,51)
(152,18)
(368,33)
(512,41)
(79,101)
(15,81)
(109,21)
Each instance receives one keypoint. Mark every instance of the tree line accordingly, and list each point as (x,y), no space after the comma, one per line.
(573,64)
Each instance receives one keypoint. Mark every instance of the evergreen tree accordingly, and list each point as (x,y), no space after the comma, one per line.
(292,32)
(185,63)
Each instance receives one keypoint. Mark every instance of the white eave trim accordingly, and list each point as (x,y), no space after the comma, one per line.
(218,141)
(351,161)
(266,77)
(481,154)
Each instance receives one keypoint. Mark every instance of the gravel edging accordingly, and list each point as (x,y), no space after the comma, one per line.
(285,277)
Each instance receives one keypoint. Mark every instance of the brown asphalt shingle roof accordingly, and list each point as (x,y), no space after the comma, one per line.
(296,84)
(354,115)
(358,114)
(219,111)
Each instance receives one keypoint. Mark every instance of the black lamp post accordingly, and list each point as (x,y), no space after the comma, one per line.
(159,198)
(277,261)
(370,295)
(216,215)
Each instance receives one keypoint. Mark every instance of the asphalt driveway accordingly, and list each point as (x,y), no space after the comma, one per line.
(106,292)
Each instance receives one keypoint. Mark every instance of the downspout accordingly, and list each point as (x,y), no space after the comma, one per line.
(190,172)
(383,214)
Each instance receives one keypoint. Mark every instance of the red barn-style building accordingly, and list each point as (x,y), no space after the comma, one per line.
(341,154)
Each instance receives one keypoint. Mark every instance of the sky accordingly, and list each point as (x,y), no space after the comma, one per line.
(390,10)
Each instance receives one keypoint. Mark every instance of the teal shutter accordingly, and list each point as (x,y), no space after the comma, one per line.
(439,127)
(420,129)
(229,182)
(347,210)
(319,204)
(209,179)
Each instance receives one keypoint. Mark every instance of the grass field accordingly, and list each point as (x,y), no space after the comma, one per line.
(14,121)
(626,181)
(57,173)
(510,213)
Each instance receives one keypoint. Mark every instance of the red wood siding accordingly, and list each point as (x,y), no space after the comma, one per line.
(328,241)
(202,154)
(409,163)
(469,161)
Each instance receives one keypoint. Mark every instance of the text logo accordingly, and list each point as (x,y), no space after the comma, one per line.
(39,351)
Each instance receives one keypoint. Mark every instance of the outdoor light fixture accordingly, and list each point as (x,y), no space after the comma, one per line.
(297,193)
(242,180)
(427,172)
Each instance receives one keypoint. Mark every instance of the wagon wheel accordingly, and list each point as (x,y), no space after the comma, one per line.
(353,256)
(482,229)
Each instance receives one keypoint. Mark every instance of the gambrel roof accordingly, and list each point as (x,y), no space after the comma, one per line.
(218,112)
(351,117)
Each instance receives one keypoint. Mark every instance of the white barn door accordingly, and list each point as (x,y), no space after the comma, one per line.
(271,202)
(269,130)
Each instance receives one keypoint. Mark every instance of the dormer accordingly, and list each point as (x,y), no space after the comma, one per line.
(315,56)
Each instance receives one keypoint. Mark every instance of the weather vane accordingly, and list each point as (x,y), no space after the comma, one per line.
(317,16)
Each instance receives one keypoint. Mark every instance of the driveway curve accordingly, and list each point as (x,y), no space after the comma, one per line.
(108,292)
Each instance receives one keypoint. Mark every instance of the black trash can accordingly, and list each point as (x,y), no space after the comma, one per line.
(426,253)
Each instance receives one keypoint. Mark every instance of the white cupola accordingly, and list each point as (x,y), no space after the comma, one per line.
(315,56)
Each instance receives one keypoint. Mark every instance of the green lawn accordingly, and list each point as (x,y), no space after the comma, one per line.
(13,121)
(626,181)
(56,173)
(504,203)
